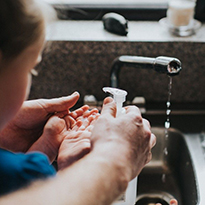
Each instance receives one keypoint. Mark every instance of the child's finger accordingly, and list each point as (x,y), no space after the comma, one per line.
(85,123)
(95,118)
(89,128)
(77,125)
(173,202)
(90,112)
(79,112)
(91,118)
(69,121)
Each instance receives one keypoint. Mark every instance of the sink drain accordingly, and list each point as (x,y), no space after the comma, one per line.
(153,198)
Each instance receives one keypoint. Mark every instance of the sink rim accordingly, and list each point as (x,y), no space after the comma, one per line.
(196,152)
(184,156)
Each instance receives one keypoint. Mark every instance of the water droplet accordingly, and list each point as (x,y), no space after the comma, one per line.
(166,151)
(166,134)
(163,178)
(168,104)
(167,124)
(168,111)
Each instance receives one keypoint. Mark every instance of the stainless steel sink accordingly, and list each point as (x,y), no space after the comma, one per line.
(171,172)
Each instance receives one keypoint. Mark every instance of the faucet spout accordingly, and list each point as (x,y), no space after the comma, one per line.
(162,64)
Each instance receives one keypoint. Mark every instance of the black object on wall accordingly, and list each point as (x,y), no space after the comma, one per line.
(200,10)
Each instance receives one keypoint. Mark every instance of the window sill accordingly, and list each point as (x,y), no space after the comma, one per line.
(139,31)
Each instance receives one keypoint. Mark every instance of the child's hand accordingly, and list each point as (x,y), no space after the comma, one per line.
(77,143)
(56,129)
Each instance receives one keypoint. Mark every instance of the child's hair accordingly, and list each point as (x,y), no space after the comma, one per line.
(21,24)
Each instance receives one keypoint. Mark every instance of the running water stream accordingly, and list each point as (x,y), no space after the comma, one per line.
(167,122)
(168,111)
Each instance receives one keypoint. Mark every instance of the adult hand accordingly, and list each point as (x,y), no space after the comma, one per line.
(125,140)
(28,124)
(120,147)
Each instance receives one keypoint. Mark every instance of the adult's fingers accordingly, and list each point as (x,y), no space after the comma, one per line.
(139,121)
(147,128)
(153,140)
(132,108)
(134,113)
(60,104)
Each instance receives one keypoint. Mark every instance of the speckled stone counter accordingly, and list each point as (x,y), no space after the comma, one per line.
(84,64)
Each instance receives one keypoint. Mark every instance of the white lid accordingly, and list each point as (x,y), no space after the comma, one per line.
(118,94)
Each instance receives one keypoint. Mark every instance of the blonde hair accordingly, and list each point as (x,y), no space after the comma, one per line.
(22,22)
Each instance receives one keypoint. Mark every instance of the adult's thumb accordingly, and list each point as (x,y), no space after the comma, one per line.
(61,104)
(109,107)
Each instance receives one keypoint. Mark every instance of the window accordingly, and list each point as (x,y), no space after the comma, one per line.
(130,9)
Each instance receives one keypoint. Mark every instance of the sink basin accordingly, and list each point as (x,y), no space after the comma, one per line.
(170,174)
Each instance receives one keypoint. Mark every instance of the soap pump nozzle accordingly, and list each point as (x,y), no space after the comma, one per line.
(119,97)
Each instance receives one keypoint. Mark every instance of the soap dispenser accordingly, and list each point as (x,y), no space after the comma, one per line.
(130,195)
(119,97)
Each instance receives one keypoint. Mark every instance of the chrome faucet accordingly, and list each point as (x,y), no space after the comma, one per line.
(170,66)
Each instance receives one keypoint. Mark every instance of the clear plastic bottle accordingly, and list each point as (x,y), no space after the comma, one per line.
(130,195)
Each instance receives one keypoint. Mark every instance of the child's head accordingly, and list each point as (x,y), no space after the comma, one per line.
(22,35)
(21,23)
